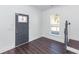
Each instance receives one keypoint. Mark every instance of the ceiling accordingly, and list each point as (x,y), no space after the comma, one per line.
(43,7)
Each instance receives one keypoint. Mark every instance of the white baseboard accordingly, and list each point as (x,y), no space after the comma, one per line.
(6,49)
(73,49)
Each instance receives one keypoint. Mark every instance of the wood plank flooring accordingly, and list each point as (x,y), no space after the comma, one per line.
(74,44)
(40,46)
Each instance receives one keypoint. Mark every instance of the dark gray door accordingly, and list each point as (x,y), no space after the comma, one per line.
(22,29)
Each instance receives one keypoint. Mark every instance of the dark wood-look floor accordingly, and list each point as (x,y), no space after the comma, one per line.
(40,46)
(74,44)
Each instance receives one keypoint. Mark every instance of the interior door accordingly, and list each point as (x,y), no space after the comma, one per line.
(22,29)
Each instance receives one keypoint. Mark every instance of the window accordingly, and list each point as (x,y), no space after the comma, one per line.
(22,19)
(55,23)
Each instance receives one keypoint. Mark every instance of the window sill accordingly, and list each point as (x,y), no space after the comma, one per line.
(52,34)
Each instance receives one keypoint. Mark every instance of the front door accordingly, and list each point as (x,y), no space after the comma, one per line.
(21,29)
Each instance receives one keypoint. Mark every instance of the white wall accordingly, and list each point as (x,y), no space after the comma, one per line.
(70,13)
(7,24)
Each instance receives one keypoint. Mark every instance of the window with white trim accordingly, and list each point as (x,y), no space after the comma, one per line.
(55,24)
